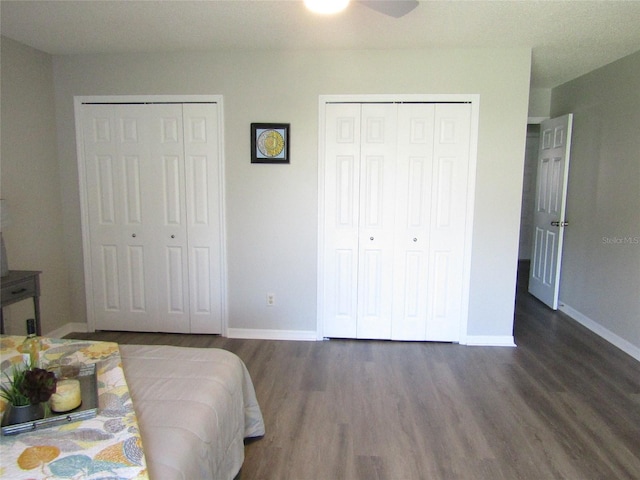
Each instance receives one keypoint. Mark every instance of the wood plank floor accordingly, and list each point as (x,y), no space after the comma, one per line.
(564,404)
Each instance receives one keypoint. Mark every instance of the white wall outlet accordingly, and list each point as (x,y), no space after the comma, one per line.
(271,299)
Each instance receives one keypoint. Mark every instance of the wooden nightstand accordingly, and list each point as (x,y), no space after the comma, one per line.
(18,285)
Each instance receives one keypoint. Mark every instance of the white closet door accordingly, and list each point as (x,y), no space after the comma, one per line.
(203,183)
(120,292)
(448,220)
(164,200)
(377,220)
(360,161)
(341,219)
(136,208)
(413,213)
(396,179)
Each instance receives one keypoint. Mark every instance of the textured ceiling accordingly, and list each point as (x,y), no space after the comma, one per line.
(567,38)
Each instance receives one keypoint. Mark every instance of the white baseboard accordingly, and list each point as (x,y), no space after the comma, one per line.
(489,341)
(603,332)
(258,334)
(302,335)
(66,329)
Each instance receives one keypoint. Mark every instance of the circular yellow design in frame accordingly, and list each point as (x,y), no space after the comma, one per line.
(270,143)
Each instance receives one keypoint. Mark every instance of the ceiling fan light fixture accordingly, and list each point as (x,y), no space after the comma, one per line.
(326,7)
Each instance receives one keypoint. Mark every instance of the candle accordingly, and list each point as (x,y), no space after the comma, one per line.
(67,396)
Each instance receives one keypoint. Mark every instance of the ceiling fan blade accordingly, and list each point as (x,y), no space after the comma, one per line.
(393,8)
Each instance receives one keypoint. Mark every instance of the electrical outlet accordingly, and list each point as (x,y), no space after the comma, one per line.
(271,299)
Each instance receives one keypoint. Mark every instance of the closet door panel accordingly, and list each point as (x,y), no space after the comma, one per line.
(175,280)
(165,207)
(413,213)
(203,207)
(448,225)
(119,293)
(101,172)
(341,219)
(134,137)
(377,220)
(132,192)
(137,280)
(109,279)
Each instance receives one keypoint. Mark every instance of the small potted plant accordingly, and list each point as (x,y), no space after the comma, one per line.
(25,391)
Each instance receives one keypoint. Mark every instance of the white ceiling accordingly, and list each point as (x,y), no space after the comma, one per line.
(568,38)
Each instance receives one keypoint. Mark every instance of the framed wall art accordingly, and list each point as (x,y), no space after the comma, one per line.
(270,142)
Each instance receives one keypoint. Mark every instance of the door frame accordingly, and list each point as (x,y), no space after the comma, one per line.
(474,100)
(78,102)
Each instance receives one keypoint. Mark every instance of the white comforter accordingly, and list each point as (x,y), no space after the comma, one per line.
(194,407)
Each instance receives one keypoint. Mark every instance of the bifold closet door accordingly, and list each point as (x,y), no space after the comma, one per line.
(134,158)
(449,226)
(414,174)
(378,146)
(151,219)
(204,218)
(431,223)
(395,220)
(361,143)
(341,219)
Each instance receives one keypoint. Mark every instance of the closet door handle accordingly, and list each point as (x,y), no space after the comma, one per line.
(173,236)
(371,238)
(415,239)
(133,235)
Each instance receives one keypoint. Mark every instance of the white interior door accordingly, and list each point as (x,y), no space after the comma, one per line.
(204,224)
(135,187)
(154,216)
(395,220)
(450,224)
(341,222)
(164,202)
(431,203)
(550,205)
(378,158)
(414,172)
(359,219)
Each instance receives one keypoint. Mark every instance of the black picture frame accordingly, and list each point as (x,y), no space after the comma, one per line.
(270,142)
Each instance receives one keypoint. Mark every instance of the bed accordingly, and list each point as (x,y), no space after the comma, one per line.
(195,407)
(164,413)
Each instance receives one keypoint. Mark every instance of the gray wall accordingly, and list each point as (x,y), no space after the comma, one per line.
(30,183)
(601,263)
(272,209)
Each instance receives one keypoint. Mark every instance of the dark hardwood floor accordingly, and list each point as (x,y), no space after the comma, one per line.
(564,404)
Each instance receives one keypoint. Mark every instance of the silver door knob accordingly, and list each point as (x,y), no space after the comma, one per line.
(559,224)
(415,239)
(133,235)
(173,236)
(370,238)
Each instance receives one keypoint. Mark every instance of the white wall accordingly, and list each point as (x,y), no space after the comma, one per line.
(30,184)
(272,209)
(601,264)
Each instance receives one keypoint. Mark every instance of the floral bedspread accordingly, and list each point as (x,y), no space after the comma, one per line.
(107,446)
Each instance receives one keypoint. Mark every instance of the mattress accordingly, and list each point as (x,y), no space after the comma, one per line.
(195,407)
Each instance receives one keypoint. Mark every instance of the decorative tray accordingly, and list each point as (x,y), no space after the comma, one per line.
(87,377)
